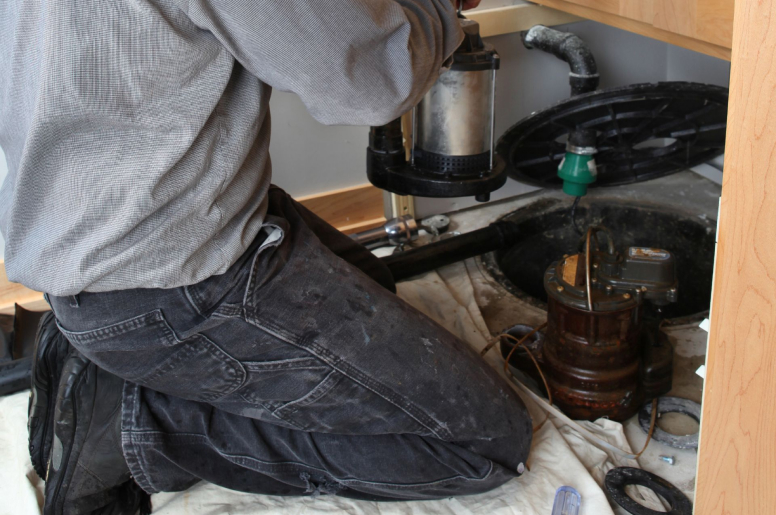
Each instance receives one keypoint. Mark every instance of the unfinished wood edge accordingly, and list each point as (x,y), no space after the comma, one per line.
(639,27)
(362,226)
(516,18)
(402,205)
(333,193)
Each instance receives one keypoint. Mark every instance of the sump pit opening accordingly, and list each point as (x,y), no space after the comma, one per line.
(549,234)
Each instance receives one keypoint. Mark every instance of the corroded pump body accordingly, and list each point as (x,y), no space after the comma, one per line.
(606,361)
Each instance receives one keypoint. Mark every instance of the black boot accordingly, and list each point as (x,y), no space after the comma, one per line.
(51,349)
(87,473)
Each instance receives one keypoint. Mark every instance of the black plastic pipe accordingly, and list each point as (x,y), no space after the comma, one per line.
(496,236)
(583,76)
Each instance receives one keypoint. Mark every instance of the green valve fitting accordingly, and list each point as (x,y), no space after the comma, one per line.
(578,169)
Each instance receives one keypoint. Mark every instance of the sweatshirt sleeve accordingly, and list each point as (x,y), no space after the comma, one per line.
(353,62)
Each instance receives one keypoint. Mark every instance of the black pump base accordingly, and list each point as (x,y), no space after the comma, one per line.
(397,176)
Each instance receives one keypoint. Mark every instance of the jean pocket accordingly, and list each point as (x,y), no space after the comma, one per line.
(273,384)
(229,287)
(146,351)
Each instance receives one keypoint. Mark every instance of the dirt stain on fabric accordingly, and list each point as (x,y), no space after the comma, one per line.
(367,338)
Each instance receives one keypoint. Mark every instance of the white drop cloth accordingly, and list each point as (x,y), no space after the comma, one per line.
(559,455)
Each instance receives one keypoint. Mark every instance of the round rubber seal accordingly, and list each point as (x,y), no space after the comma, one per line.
(618,478)
(672,405)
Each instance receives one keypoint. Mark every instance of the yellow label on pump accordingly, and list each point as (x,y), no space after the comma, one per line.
(570,265)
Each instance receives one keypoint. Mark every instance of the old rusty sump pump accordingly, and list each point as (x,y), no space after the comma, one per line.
(603,354)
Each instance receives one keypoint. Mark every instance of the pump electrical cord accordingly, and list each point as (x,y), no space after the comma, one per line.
(573,215)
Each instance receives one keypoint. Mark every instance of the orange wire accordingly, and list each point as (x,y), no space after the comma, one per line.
(652,422)
(520,342)
(489,346)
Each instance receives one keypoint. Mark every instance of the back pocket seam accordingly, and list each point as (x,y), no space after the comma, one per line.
(331,380)
(286,364)
(215,351)
(150,319)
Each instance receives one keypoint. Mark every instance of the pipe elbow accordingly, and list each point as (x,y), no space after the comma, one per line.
(583,74)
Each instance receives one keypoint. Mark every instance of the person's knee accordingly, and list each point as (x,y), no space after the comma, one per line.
(506,442)
(516,445)
(509,452)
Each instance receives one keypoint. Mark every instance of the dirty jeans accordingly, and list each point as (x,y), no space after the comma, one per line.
(298,371)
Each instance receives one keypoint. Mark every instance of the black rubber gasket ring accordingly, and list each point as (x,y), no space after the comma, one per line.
(671,405)
(618,478)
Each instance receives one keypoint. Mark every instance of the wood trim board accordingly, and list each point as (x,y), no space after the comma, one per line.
(737,453)
(350,210)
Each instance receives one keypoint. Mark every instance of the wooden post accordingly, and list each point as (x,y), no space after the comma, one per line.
(737,456)
(401,205)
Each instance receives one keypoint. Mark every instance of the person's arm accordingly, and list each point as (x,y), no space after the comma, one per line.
(356,62)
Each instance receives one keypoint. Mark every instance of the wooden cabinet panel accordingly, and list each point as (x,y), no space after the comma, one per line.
(677,16)
(607,6)
(707,20)
(640,10)
(714,21)
(737,454)
(702,25)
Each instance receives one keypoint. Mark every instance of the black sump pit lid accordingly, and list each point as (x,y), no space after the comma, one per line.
(644,131)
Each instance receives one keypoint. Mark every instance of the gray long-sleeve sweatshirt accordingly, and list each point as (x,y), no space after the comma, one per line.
(137,131)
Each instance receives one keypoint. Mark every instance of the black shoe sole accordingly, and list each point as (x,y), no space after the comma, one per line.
(79,415)
(51,349)
(65,438)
